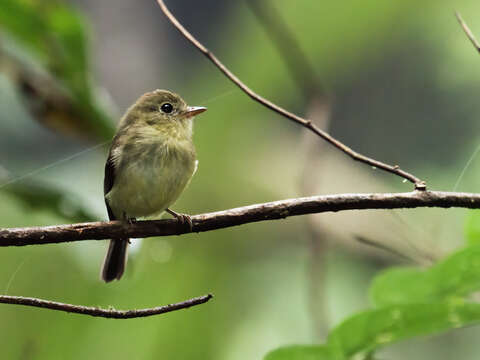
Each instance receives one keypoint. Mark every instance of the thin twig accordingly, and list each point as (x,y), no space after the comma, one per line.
(105,313)
(395,169)
(378,245)
(468,32)
(237,216)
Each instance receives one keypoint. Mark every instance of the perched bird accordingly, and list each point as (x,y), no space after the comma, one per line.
(151,161)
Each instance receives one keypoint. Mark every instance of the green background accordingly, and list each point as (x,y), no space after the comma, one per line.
(404,83)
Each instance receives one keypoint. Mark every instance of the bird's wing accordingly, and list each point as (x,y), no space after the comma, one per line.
(108,182)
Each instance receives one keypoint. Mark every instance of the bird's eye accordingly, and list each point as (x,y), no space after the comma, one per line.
(167,108)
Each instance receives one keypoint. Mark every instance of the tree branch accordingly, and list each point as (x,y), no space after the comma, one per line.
(237,216)
(106,313)
(394,169)
(468,32)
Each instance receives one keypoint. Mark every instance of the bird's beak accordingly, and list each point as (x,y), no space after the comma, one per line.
(194,110)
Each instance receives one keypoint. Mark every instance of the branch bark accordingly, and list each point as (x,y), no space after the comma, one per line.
(394,169)
(105,313)
(468,32)
(237,216)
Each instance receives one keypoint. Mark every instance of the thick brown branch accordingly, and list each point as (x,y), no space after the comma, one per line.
(106,313)
(468,32)
(394,169)
(238,216)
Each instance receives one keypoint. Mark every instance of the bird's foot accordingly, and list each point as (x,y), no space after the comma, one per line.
(183,219)
(129,220)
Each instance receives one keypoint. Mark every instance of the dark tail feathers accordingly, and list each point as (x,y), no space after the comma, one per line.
(115,260)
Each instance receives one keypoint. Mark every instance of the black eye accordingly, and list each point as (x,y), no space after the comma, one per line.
(167,108)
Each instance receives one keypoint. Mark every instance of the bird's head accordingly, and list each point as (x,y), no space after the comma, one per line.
(163,111)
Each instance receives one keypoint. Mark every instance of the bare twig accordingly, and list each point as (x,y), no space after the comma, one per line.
(394,169)
(106,313)
(378,245)
(238,216)
(468,32)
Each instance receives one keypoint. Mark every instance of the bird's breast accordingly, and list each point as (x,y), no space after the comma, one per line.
(150,177)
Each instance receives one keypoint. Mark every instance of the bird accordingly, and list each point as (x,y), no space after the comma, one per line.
(151,161)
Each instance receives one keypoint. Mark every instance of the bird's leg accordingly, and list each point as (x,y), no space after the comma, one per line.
(182,218)
(129,220)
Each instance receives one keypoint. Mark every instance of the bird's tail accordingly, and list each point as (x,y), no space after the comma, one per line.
(114,263)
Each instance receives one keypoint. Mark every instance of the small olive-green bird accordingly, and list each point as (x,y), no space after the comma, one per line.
(151,161)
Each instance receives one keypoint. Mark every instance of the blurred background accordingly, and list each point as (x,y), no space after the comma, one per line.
(400,83)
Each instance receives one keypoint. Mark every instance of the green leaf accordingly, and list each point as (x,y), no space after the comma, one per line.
(53,31)
(300,352)
(29,29)
(366,332)
(370,330)
(472,227)
(69,30)
(56,35)
(411,302)
(454,277)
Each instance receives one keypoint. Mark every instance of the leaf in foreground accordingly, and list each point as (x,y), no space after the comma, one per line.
(455,277)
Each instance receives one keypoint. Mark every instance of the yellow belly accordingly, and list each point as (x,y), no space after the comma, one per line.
(147,185)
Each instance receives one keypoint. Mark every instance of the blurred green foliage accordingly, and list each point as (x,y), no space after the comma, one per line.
(51,52)
(409,303)
(37,197)
(299,352)
(260,274)
(56,36)
(472,227)
(449,279)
